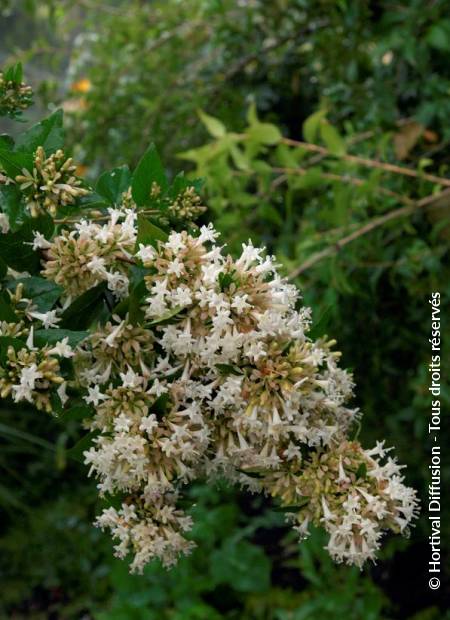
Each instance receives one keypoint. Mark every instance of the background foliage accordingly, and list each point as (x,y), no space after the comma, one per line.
(278,105)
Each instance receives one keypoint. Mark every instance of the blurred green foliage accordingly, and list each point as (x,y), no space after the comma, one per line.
(224,84)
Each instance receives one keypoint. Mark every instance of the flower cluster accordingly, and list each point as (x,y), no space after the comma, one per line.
(187,206)
(149,529)
(199,366)
(28,372)
(15,95)
(51,184)
(215,375)
(353,495)
(91,253)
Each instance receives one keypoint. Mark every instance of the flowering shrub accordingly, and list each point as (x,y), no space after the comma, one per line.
(186,362)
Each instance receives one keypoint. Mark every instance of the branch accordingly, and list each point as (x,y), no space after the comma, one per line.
(372,225)
(368,163)
(344,179)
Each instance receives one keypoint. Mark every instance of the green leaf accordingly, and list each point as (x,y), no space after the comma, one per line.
(215,127)
(14,73)
(312,178)
(181,182)
(167,316)
(6,142)
(268,213)
(242,566)
(240,160)
(149,233)
(160,405)
(82,312)
(264,133)
(252,114)
(42,292)
(76,451)
(438,36)
(93,200)
(77,413)
(361,472)
(251,474)
(228,369)
(334,143)
(6,311)
(48,133)
(149,170)
(136,314)
(111,185)
(320,326)
(6,342)
(11,204)
(16,249)
(14,163)
(133,303)
(311,125)
(304,502)
(53,336)
(10,431)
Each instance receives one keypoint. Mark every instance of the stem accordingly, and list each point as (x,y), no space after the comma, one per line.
(368,163)
(368,227)
(345,179)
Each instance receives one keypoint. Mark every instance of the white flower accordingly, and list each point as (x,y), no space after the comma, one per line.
(182,296)
(249,255)
(22,392)
(28,377)
(175,266)
(62,348)
(146,253)
(148,424)
(240,303)
(175,242)
(94,396)
(97,266)
(157,388)
(130,379)
(122,424)
(292,452)
(49,319)
(379,450)
(40,242)
(207,233)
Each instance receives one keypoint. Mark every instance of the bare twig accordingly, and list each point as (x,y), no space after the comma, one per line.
(367,228)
